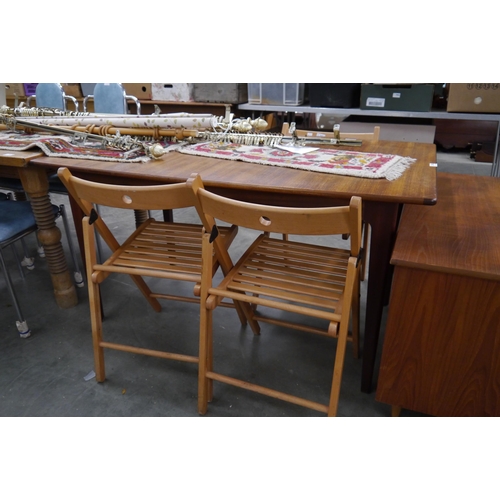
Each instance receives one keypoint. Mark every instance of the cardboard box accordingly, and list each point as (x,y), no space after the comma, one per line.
(14,89)
(139,90)
(72,89)
(474,97)
(334,95)
(176,92)
(399,97)
(231,93)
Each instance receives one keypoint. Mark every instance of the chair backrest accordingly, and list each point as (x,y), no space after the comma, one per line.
(368,136)
(111,98)
(162,197)
(16,220)
(52,95)
(285,220)
(87,193)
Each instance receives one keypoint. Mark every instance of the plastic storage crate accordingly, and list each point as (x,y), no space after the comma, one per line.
(276,93)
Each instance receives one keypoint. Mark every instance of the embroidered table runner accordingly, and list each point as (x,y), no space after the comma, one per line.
(54,145)
(354,163)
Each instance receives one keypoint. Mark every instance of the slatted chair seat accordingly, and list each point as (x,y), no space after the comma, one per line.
(157,248)
(311,281)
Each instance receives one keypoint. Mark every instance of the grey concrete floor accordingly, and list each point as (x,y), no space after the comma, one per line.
(49,374)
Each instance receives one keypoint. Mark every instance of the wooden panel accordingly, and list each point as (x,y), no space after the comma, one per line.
(441,351)
(460,234)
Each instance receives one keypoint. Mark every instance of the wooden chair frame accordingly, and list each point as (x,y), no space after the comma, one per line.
(281,274)
(156,249)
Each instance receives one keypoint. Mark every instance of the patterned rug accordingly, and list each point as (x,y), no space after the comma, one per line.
(53,145)
(331,161)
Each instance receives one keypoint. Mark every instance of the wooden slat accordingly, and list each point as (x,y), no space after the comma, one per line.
(268,392)
(311,300)
(330,275)
(284,306)
(150,352)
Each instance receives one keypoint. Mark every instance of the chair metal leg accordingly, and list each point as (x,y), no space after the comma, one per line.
(98,239)
(28,262)
(22,326)
(18,260)
(79,281)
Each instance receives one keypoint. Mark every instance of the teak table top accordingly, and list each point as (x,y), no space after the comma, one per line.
(417,185)
(462,232)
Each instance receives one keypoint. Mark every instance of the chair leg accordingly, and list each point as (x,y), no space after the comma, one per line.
(18,260)
(338,368)
(205,360)
(99,240)
(22,326)
(94,301)
(28,262)
(40,249)
(79,282)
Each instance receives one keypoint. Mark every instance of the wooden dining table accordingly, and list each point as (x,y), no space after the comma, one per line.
(382,201)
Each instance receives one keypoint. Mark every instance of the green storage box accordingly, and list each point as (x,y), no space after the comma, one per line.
(411,97)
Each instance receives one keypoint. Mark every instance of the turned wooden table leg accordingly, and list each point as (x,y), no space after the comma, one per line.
(36,185)
(140,217)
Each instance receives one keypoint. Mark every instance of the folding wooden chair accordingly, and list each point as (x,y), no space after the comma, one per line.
(155,249)
(292,276)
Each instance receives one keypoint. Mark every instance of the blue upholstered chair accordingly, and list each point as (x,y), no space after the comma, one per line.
(111,98)
(51,95)
(16,222)
(55,186)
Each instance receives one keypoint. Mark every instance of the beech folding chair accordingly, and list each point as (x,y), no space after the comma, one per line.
(296,277)
(156,249)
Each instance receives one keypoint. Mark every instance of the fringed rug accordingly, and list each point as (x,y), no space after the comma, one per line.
(60,146)
(354,163)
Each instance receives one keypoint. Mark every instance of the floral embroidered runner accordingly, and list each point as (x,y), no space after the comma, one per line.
(54,145)
(354,163)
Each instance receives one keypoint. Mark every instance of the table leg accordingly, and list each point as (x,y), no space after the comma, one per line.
(383,219)
(140,217)
(78,215)
(36,185)
(495,167)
